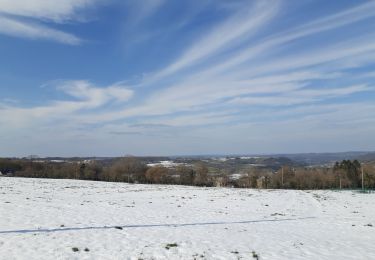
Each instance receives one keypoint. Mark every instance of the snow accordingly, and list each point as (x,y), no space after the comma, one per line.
(235,176)
(46,219)
(167,164)
(221,159)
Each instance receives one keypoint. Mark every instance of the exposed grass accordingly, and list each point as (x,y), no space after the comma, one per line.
(168,246)
(255,255)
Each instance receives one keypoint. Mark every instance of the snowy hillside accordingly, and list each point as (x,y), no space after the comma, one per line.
(68,219)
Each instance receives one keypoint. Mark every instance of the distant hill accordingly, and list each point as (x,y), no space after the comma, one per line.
(329,158)
(273,161)
(369,157)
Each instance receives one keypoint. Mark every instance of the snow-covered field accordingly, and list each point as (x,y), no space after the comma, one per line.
(49,219)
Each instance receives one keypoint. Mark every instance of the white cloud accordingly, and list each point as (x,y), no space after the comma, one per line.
(214,83)
(35,14)
(237,28)
(303,96)
(337,52)
(331,22)
(88,97)
(30,30)
(57,11)
(85,90)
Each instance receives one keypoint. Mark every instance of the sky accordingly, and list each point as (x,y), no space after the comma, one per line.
(165,77)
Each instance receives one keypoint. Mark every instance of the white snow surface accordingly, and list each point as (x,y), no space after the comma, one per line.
(46,219)
(167,164)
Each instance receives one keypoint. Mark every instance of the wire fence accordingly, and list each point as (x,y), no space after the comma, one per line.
(366,191)
(359,190)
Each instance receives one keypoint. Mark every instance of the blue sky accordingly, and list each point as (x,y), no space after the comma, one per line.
(163,77)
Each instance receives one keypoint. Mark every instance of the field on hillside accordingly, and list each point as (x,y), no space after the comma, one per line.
(69,219)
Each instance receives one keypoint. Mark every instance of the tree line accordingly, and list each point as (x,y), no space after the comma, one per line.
(345,174)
